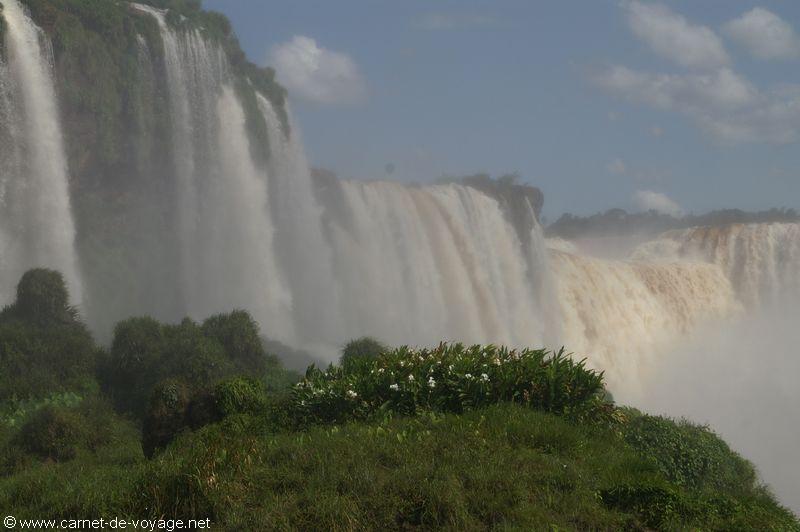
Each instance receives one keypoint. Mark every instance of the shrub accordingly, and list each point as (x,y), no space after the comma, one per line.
(450,378)
(145,352)
(44,348)
(52,433)
(42,297)
(175,407)
(241,395)
(360,350)
(238,334)
(166,415)
(689,455)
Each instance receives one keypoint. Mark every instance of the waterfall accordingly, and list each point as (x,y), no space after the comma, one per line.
(442,262)
(761,260)
(221,199)
(320,261)
(300,244)
(623,314)
(36,225)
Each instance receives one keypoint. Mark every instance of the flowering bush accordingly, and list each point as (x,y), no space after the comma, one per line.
(450,378)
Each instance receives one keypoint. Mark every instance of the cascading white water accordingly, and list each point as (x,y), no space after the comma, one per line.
(223,226)
(241,265)
(36,225)
(440,262)
(300,244)
(761,260)
(623,314)
(408,264)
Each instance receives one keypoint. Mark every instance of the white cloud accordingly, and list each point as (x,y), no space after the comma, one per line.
(675,38)
(722,103)
(617,167)
(647,200)
(454,21)
(316,74)
(764,34)
(722,89)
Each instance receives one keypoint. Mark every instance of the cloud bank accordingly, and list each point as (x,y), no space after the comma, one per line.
(673,37)
(720,101)
(316,74)
(764,34)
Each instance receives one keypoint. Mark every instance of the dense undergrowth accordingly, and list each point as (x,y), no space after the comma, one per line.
(196,420)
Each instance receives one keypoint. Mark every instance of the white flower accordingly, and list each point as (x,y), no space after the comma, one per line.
(431,382)
(380,370)
(410,378)
(394,387)
(484,377)
(468,375)
(351,394)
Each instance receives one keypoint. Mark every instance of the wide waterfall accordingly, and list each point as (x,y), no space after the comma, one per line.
(318,262)
(623,314)
(761,260)
(36,225)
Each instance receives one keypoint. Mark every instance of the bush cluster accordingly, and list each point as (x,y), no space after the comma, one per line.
(175,407)
(689,455)
(145,353)
(45,348)
(448,378)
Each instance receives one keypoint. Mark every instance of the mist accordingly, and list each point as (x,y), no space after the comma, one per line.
(740,377)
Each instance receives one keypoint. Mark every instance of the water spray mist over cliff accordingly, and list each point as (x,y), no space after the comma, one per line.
(36,226)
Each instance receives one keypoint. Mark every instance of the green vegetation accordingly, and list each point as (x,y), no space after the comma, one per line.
(449,378)
(44,347)
(198,421)
(361,350)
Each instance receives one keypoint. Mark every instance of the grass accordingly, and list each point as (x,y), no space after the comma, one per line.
(504,467)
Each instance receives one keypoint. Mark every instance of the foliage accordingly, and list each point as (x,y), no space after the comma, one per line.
(52,433)
(60,432)
(239,396)
(145,352)
(44,347)
(662,506)
(690,455)
(17,411)
(449,378)
(175,407)
(166,415)
(504,466)
(42,297)
(360,350)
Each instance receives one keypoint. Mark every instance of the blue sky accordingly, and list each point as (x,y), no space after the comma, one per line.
(676,105)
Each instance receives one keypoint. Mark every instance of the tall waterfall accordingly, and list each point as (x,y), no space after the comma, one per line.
(223,228)
(36,225)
